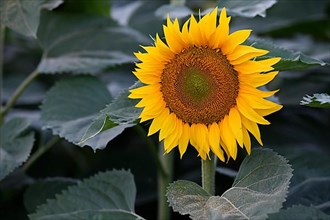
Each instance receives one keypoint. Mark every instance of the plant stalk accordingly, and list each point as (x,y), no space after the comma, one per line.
(208,174)
(164,211)
(41,150)
(27,81)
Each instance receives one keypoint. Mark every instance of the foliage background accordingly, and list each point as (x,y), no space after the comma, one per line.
(98,38)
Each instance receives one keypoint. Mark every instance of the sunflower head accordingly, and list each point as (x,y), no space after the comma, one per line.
(201,87)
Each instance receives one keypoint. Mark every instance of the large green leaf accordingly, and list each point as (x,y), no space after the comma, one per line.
(260,188)
(23,15)
(244,8)
(41,190)
(108,195)
(317,100)
(15,145)
(187,197)
(80,43)
(300,212)
(290,60)
(73,106)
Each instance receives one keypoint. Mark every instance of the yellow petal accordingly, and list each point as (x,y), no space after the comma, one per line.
(173,36)
(248,56)
(221,33)
(194,32)
(163,48)
(144,90)
(185,34)
(152,111)
(244,50)
(250,66)
(214,139)
(184,139)
(150,100)
(234,40)
(235,125)
(168,127)
(199,139)
(228,138)
(248,112)
(247,141)
(173,140)
(257,79)
(209,25)
(265,112)
(257,102)
(257,92)
(252,127)
(158,121)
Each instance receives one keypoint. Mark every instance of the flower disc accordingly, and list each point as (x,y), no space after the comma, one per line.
(201,87)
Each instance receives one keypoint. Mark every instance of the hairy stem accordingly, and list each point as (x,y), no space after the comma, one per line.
(208,174)
(41,150)
(164,211)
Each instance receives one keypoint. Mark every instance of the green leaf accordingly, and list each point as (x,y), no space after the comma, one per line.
(15,145)
(139,15)
(121,111)
(317,100)
(187,197)
(38,193)
(308,193)
(260,188)
(78,43)
(108,195)
(73,106)
(299,212)
(244,8)
(290,60)
(23,15)
(286,14)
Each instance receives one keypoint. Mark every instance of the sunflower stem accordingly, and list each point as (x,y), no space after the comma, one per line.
(208,174)
(164,211)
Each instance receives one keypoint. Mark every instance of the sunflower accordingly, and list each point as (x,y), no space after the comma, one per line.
(200,87)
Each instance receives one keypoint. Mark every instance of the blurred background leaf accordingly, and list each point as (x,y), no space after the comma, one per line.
(41,190)
(316,100)
(23,15)
(80,43)
(15,145)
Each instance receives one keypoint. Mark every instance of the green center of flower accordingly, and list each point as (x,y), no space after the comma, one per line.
(196,85)
(199,85)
